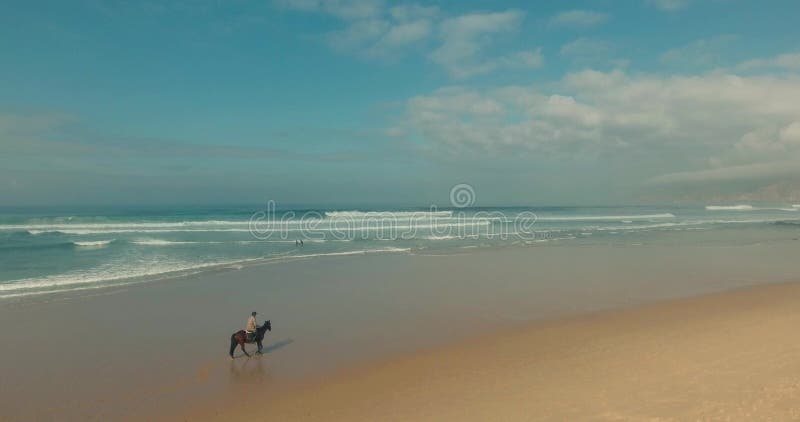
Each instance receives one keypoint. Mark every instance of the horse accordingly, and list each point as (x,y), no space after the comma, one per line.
(240,338)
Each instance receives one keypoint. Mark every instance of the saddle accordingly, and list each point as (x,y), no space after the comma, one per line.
(250,337)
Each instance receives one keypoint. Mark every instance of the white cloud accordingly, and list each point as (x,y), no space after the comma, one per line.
(714,123)
(789,61)
(409,12)
(466,37)
(669,5)
(579,18)
(373,30)
(407,32)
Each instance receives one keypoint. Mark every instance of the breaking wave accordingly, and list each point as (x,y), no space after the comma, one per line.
(160,242)
(94,243)
(389,214)
(73,253)
(112,276)
(729,207)
(622,218)
(749,208)
(245,227)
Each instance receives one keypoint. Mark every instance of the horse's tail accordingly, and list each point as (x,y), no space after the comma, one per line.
(233,344)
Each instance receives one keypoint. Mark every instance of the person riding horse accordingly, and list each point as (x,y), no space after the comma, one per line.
(241,337)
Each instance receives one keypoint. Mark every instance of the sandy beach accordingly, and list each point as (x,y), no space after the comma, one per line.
(670,332)
(728,356)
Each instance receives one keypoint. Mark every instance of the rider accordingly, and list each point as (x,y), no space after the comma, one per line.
(250,328)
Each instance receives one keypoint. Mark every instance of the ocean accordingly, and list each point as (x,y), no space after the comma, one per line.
(47,252)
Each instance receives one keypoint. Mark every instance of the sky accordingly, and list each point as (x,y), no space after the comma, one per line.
(337,102)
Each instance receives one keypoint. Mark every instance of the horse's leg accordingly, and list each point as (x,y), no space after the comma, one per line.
(260,346)
(245,351)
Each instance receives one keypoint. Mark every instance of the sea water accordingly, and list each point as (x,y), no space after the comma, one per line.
(52,251)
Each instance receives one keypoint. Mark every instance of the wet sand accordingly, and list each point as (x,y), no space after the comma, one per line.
(159,350)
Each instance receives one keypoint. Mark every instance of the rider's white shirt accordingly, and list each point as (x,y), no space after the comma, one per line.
(251,324)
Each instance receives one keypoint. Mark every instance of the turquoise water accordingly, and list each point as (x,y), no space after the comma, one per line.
(44,252)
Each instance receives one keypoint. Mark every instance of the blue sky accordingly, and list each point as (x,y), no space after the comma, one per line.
(371,102)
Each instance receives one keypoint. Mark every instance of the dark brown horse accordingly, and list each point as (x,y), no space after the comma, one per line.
(239,338)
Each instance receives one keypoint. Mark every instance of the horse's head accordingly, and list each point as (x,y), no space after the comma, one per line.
(267,325)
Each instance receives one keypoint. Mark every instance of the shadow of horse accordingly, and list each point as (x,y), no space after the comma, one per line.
(278,345)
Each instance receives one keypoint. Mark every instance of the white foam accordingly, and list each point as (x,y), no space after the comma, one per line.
(156,227)
(113,275)
(358,252)
(687,224)
(315,227)
(776,209)
(637,227)
(143,224)
(388,214)
(623,218)
(102,274)
(729,207)
(95,243)
(749,208)
(440,237)
(142,230)
(161,242)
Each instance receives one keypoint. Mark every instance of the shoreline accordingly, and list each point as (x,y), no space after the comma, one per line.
(199,270)
(605,365)
(10,292)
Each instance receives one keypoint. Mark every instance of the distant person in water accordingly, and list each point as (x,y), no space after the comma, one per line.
(251,326)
